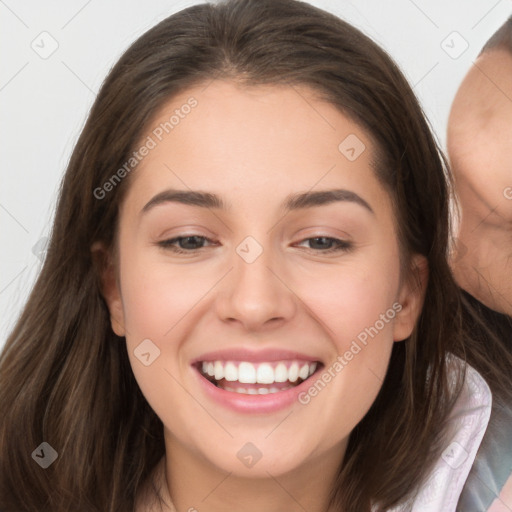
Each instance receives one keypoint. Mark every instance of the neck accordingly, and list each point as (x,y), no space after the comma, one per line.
(483,262)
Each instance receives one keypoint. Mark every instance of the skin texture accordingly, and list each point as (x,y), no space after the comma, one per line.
(479,135)
(480,152)
(255,146)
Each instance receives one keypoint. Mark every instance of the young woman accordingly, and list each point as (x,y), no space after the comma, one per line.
(246,303)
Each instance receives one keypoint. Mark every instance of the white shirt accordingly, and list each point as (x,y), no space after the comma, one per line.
(469,419)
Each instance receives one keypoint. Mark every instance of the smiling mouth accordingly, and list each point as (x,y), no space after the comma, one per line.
(257,378)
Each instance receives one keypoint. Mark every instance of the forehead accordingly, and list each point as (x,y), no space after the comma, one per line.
(480,122)
(485,94)
(230,119)
(254,142)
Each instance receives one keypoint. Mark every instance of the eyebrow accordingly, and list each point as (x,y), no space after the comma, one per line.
(292,202)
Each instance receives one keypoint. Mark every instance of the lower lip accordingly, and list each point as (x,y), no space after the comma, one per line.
(255,404)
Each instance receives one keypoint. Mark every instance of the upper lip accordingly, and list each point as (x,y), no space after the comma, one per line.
(254,356)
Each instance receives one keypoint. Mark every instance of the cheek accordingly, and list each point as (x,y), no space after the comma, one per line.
(355,304)
(157,302)
(351,297)
(157,295)
(483,170)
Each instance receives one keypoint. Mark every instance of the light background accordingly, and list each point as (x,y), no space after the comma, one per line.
(44,101)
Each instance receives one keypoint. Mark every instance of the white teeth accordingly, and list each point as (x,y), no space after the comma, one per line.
(219,370)
(253,391)
(265,374)
(293,372)
(231,372)
(245,372)
(304,372)
(281,373)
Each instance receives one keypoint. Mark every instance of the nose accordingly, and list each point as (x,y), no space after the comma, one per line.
(255,294)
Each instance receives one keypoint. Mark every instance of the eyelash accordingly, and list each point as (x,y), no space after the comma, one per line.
(340,245)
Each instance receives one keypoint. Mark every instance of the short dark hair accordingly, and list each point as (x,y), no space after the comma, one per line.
(502,38)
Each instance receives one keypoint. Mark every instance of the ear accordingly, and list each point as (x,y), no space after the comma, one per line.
(411,297)
(109,286)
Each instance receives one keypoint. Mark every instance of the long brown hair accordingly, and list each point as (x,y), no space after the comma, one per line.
(65,377)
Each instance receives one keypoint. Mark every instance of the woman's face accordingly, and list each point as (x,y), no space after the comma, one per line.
(289,266)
